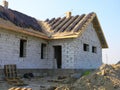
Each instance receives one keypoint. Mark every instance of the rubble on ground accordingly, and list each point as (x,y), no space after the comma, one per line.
(107,77)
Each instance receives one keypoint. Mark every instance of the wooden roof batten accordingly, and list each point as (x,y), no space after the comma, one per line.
(83,22)
(61,24)
(68,24)
(81,27)
(98,31)
(56,28)
(75,22)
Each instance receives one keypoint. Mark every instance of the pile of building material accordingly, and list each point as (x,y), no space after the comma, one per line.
(107,77)
(62,88)
(11,75)
(18,88)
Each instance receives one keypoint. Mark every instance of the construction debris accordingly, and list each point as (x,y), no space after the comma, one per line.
(62,88)
(18,88)
(11,75)
(107,77)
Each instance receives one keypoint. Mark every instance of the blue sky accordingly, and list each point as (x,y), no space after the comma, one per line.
(107,11)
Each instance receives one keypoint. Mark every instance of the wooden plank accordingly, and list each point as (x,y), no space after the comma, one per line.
(82,23)
(67,24)
(19,88)
(61,24)
(75,22)
(57,23)
(51,24)
(11,75)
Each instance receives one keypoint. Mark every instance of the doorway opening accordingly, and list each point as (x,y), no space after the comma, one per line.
(58,55)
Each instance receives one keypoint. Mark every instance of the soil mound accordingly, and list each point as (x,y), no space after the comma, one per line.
(107,77)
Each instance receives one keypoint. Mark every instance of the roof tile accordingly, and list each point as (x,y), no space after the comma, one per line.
(19,19)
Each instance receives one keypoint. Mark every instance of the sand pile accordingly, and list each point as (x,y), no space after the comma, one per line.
(107,77)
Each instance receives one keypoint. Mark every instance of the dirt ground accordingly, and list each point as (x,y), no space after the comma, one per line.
(107,77)
(41,83)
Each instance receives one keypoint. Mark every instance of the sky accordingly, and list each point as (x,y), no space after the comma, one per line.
(108,12)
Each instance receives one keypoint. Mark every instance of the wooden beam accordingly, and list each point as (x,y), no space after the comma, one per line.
(31,33)
(63,37)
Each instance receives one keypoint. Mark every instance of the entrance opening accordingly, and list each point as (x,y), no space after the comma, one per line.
(58,55)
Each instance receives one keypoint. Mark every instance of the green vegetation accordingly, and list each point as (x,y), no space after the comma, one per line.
(86,73)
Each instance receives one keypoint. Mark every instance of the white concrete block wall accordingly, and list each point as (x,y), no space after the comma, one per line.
(9,51)
(67,52)
(87,59)
(73,56)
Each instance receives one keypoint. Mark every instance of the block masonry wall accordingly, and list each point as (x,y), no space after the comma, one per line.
(73,56)
(88,59)
(9,51)
(67,52)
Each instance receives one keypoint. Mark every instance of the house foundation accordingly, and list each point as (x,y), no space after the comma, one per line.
(47,72)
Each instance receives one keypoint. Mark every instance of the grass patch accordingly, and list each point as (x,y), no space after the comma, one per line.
(86,73)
